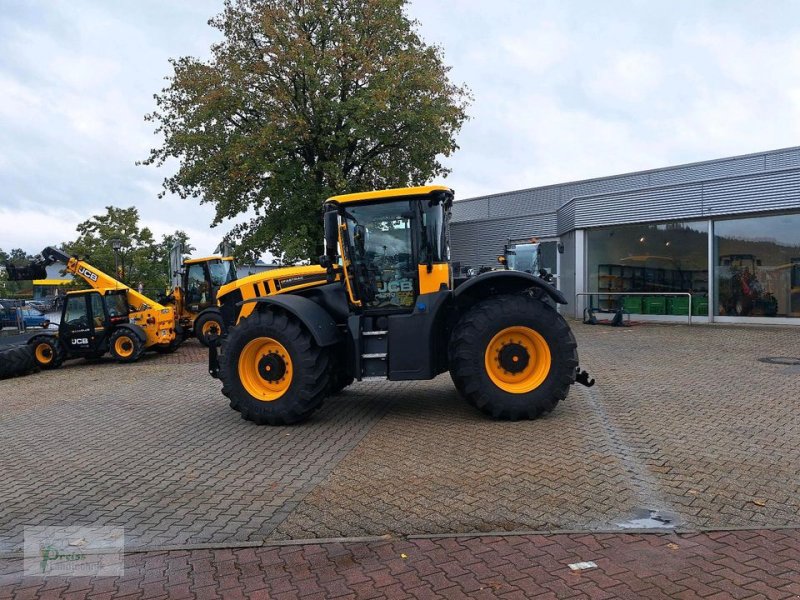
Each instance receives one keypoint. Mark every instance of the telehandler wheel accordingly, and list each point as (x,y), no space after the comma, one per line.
(272,370)
(513,357)
(47,351)
(207,325)
(125,346)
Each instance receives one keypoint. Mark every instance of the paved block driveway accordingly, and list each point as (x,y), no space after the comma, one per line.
(683,421)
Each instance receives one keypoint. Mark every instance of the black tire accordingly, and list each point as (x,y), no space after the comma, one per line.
(469,345)
(16,360)
(309,366)
(340,377)
(125,346)
(211,322)
(48,353)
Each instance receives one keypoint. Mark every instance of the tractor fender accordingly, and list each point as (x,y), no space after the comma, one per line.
(315,318)
(504,282)
(136,329)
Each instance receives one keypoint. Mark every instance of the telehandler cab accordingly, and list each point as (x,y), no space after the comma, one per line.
(382,306)
(111,317)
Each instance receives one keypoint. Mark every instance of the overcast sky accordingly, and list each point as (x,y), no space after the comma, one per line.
(564,90)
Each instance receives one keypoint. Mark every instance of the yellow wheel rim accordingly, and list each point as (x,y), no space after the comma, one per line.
(265,369)
(123,346)
(44,353)
(209,328)
(518,360)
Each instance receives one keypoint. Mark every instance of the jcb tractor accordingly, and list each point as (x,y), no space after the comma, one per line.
(195,284)
(111,317)
(382,306)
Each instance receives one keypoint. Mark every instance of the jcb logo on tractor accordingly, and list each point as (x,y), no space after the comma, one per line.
(80,341)
(404,285)
(87,273)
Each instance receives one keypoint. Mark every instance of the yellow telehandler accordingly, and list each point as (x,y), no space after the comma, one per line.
(111,317)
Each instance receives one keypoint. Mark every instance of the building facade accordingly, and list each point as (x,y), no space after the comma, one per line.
(726,231)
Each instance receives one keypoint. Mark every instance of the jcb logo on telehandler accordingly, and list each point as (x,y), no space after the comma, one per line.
(87,273)
(80,341)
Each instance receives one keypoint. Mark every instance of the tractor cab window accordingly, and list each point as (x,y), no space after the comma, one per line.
(117,305)
(75,314)
(380,237)
(221,272)
(434,242)
(196,284)
(98,312)
(524,257)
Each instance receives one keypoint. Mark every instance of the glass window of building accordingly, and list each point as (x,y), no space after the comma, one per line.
(651,257)
(758,266)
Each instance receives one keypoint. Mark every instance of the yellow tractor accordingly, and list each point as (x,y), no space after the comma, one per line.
(111,317)
(382,305)
(195,284)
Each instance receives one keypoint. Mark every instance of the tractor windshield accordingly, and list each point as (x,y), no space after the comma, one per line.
(221,272)
(524,257)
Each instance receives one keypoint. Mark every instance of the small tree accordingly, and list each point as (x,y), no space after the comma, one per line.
(301,100)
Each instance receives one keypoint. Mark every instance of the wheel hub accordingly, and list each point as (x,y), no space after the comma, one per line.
(514,358)
(271,367)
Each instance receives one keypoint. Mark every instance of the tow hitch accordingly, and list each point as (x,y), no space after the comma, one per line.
(582,377)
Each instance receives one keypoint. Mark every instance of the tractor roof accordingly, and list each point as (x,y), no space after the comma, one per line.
(191,261)
(388,194)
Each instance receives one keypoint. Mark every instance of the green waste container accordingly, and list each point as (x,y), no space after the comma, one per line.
(654,305)
(699,307)
(632,304)
(678,305)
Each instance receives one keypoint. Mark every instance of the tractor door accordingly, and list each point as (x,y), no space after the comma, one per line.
(107,312)
(382,258)
(197,289)
(76,329)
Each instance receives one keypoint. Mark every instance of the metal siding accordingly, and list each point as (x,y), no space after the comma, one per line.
(782,160)
(711,170)
(470,210)
(533,201)
(474,244)
(663,204)
(753,193)
(565,218)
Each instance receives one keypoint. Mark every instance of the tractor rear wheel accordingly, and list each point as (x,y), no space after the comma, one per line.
(47,351)
(513,357)
(125,346)
(272,370)
(207,325)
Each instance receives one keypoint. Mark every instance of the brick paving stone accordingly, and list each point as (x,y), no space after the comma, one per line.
(365,570)
(682,420)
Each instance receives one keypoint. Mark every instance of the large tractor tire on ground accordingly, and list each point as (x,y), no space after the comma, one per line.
(16,360)
(47,351)
(207,325)
(272,370)
(513,357)
(125,346)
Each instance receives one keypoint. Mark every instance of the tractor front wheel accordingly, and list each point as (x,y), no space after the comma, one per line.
(272,370)
(208,325)
(47,351)
(513,357)
(125,346)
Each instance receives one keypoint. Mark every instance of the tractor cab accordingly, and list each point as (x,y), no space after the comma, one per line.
(201,279)
(88,318)
(392,245)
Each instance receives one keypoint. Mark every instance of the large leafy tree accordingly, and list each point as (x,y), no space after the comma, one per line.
(300,100)
(145,260)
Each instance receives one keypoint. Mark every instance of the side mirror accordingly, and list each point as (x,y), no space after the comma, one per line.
(331,224)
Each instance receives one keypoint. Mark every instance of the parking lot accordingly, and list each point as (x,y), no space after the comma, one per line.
(685,425)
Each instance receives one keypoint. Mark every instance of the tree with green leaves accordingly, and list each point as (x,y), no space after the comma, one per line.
(303,99)
(141,259)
